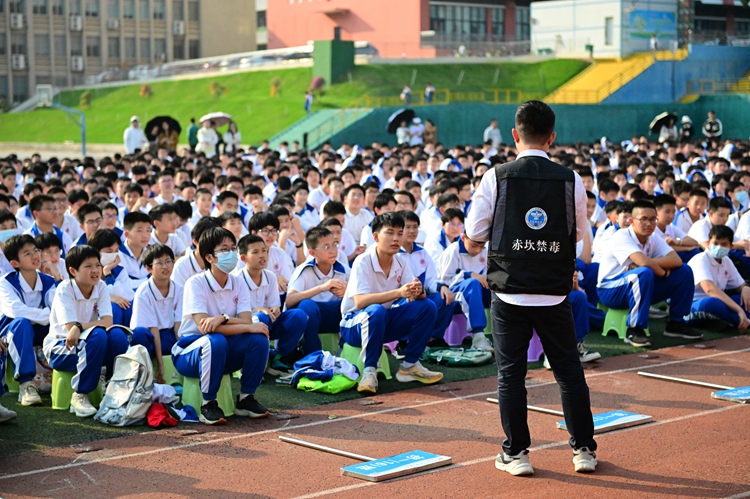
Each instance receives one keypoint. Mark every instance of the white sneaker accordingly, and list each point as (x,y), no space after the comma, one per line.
(587,356)
(6,414)
(418,372)
(28,394)
(369,381)
(584,460)
(80,406)
(546,363)
(517,465)
(479,341)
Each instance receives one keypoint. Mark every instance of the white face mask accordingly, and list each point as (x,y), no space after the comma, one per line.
(108,258)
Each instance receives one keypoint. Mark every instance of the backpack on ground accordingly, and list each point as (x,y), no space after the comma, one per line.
(130,390)
(456,357)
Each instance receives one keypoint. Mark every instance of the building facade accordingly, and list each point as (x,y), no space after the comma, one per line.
(62,42)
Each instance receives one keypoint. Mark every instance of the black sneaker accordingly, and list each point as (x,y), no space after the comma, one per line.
(211,413)
(280,366)
(681,330)
(250,407)
(636,336)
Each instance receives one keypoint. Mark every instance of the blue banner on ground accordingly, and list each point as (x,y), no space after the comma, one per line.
(614,420)
(395,466)
(740,395)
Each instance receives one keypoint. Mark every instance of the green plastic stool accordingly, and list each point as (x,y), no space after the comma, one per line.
(352,354)
(330,342)
(488,315)
(192,395)
(62,391)
(617,320)
(171,376)
(13,386)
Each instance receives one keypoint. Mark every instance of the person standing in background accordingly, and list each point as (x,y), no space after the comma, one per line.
(492,133)
(192,132)
(406,95)
(308,102)
(429,93)
(232,139)
(712,128)
(430,132)
(416,130)
(134,136)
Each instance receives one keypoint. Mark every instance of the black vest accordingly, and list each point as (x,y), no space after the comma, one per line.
(533,239)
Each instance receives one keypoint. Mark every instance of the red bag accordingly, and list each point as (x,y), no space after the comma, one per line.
(158,415)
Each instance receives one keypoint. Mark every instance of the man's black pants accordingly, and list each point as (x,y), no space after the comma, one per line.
(511,332)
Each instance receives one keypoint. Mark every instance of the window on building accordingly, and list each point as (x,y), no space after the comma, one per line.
(43,80)
(609,26)
(3,44)
(160,9)
(113,9)
(742,27)
(61,81)
(160,49)
(4,89)
(194,11)
(710,25)
(145,48)
(75,7)
(58,7)
(194,49)
(60,46)
(40,7)
(458,21)
(129,48)
(41,45)
(178,10)
(261,17)
(92,8)
(2,6)
(16,7)
(178,48)
(113,47)
(498,23)
(20,87)
(76,44)
(144,12)
(262,46)
(18,43)
(523,26)
(128,9)
(93,46)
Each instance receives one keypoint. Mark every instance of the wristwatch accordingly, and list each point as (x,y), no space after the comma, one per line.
(79,326)
(226,319)
(299,245)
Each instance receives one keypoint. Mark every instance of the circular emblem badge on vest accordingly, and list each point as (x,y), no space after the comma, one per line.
(536,218)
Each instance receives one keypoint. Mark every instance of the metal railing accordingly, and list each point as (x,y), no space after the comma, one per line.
(445,96)
(709,86)
(318,135)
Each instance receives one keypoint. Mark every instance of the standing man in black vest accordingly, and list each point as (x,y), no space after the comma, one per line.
(533,211)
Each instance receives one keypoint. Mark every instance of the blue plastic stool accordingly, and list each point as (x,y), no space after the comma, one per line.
(352,354)
(192,395)
(617,321)
(13,385)
(62,391)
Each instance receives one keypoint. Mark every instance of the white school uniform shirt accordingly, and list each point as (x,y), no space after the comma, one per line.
(431,220)
(184,268)
(134,267)
(624,243)
(24,218)
(28,303)
(479,225)
(173,241)
(367,277)
(202,294)
(456,264)
(265,294)
(69,305)
(152,309)
(317,198)
(184,234)
(308,275)
(196,217)
(160,200)
(579,244)
(279,263)
(71,227)
(683,221)
(308,217)
(366,236)
(599,215)
(354,223)
(707,268)
(671,231)
(435,243)
(743,228)
(269,192)
(66,241)
(347,243)
(602,240)
(700,229)
(423,267)
(122,285)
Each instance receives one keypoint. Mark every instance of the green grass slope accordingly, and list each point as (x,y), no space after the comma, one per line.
(248,100)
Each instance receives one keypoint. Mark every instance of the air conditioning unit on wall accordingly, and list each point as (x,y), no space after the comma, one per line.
(178,28)
(76,23)
(18,61)
(16,21)
(113,24)
(76,63)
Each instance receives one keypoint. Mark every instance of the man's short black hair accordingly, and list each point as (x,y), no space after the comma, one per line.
(385,220)
(158,211)
(261,220)
(700,193)
(404,193)
(719,202)
(608,186)
(133,187)
(104,238)
(452,213)
(133,218)
(7,216)
(201,227)
(445,199)
(409,216)
(333,208)
(382,200)
(78,195)
(247,240)
(85,210)
(315,234)
(38,201)
(156,251)
(229,215)
(210,239)
(717,232)
(14,245)
(354,187)
(183,209)
(625,207)
(79,254)
(664,200)
(278,211)
(535,122)
(330,221)
(224,195)
(641,204)
(47,240)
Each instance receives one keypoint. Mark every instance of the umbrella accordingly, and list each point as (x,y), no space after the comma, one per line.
(221,119)
(396,118)
(157,122)
(661,120)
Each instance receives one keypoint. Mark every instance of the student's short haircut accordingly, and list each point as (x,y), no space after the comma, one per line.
(452,213)
(734,185)
(203,225)
(104,238)
(184,210)
(638,194)
(402,174)
(445,199)
(156,251)
(107,205)
(717,232)
(229,215)
(38,201)
(407,194)
(535,122)
(330,221)
(252,190)
(584,171)
(354,187)
(158,211)
(133,218)
(385,220)
(591,195)
(315,234)
(29,188)
(79,254)
(719,202)
(47,240)
(133,187)
(409,216)
(333,179)
(247,240)
(210,239)
(611,206)
(664,200)
(87,209)
(641,204)
(14,245)
(78,195)
(224,195)
(718,178)
(625,207)
(333,208)
(278,211)
(203,191)
(283,200)
(694,193)
(261,220)
(608,186)
(7,216)
(300,186)
(382,200)
(372,184)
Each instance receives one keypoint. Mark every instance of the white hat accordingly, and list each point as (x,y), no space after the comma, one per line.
(686,119)
(417,121)
(134,118)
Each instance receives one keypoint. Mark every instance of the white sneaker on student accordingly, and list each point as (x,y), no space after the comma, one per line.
(80,405)
(479,341)
(517,465)
(584,460)
(587,356)
(369,381)
(7,414)
(546,363)
(28,394)
(418,372)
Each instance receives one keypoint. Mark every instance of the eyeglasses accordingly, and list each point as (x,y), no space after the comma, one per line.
(328,247)
(646,220)
(95,221)
(50,208)
(268,232)
(160,264)
(455,225)
(355,195)
(411,227)
(110,217)
(61,200)
(225,251)
(33,252)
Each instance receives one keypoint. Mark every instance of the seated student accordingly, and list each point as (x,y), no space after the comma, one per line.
(137,227)
(90,218)
(202,206)
(157,305)
(737,194)
(65,219)
(286,327)
(384,203)
(685,246)
(8,229)
(52,263)
(119,285)
(380,279)
(453,226)
(638,270)
(463,266)
(82,303)
(290,239)
(232,221)
(110,217)
(719,209)
(715,275)
(335,209)
(317,286)
(356,214)
(266,225)
(184,213)
(621,218)
(228,201)
(44,210)
(165,220)
(307,214)
(693,211)
(431,220)
(423,267)
(191,263)
(217,335)
(134,201)
(25,299)
(334,226)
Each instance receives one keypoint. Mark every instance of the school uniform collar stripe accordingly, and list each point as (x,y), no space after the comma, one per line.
(214,285)
(311,263)
(79,295)
(461,248)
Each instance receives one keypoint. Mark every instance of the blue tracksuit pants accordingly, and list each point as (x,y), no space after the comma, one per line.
(322,317)
(710,308)
(19,336)
(288,328)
